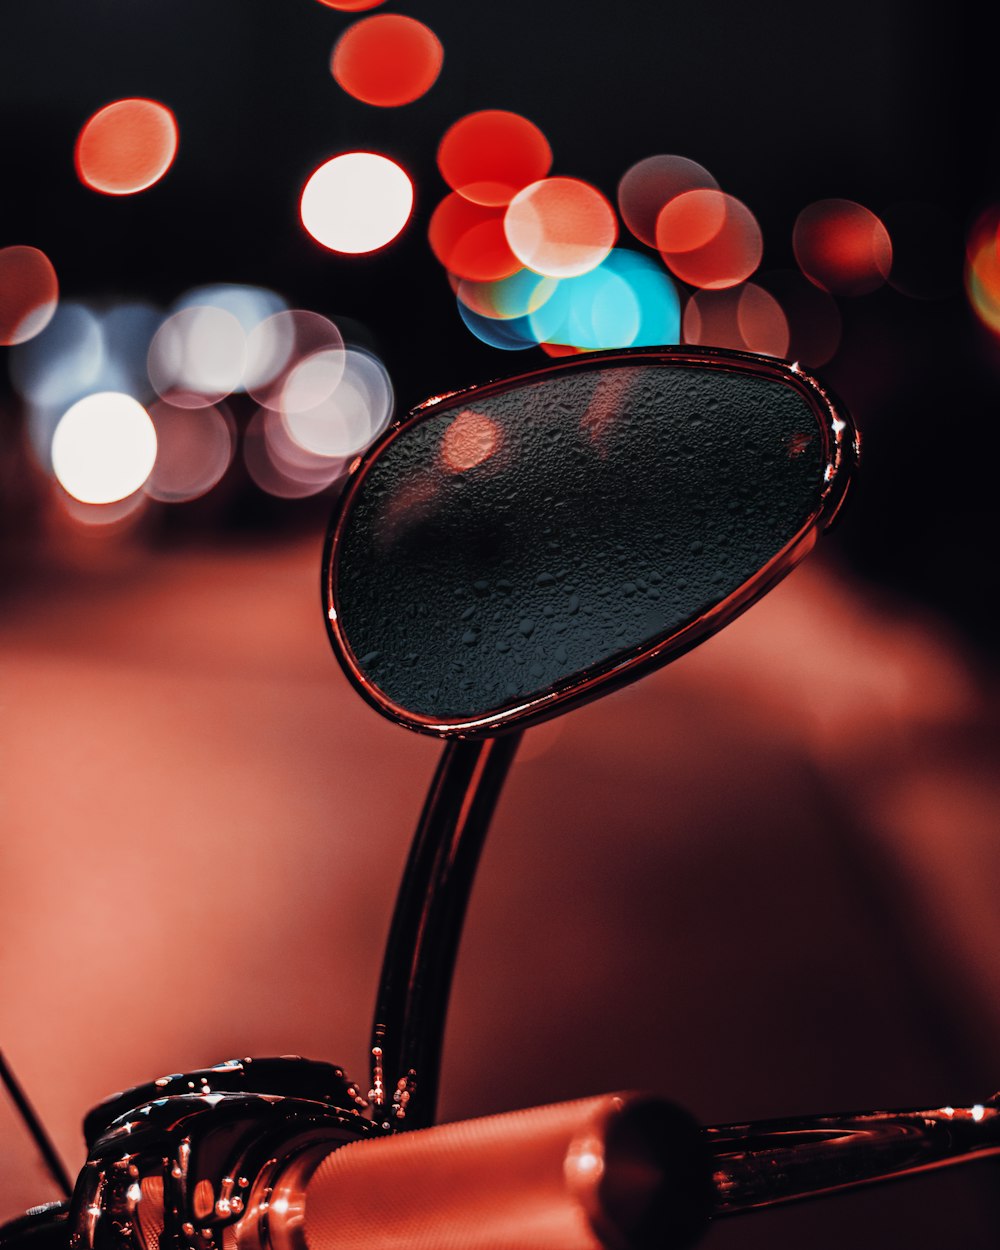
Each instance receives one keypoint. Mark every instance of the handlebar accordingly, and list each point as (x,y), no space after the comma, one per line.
(598,1174)
(236,1169)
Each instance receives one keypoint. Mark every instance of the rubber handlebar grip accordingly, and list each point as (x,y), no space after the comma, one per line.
(618,1172)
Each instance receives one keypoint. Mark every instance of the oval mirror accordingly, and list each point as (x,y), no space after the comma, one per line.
(510,550)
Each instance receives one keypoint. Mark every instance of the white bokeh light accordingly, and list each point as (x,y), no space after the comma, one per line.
(354,412)
(357,202)
(104,448)
(197,356)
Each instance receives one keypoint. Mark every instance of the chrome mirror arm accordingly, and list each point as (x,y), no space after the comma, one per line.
(419,961)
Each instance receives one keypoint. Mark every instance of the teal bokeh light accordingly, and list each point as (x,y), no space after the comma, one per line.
(627,301)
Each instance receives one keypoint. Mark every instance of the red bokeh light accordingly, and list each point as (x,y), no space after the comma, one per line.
(489,156)
(842,247)
(471,439)
(709,239)
(469,240)
(126,146)
(650,184)
(352,6)
(387,60)
(762,322)
(690,220)
(29,292)
(560,227)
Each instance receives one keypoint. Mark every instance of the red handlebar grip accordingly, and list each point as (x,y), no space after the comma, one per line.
(619,1172)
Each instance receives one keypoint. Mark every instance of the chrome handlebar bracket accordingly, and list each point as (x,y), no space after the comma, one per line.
(178,1163)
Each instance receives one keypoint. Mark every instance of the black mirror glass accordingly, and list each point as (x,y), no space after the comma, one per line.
(518,545)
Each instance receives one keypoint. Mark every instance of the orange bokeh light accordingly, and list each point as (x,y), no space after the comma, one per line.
(470,440)
(469,240)
(560,227)
(690,220)
(387,60)
(709,239)
(842,247)
(762,322)
(489,156)
(126,146)
(982,273)
(650,184)
(29,293)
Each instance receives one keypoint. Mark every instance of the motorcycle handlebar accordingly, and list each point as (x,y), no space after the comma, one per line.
(618,1172)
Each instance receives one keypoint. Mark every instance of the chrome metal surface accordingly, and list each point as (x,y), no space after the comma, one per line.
(775,1161)
(408,1029)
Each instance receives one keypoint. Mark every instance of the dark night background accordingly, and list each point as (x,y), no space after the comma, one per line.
(816,932)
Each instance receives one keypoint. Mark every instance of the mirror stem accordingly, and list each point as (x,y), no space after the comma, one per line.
(419,961)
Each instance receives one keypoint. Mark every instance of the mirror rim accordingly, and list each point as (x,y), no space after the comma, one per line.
(841,451)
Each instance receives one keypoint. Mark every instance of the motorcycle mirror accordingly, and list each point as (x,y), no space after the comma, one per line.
(510,550)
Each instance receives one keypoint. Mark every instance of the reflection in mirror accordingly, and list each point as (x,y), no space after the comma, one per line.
(511,548)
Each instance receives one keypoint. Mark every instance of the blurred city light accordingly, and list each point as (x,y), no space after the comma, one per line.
(982,270)
(513,334)
(355,409)
(762,322)
(489,156)
(194,448)
(745,317)
(387,60)
(356,202)
(469,240)
(126,146)
(561,227)
(625,301)
(127,330)
(29,293)
(709,239)
(598,309)
(197,356)
(279,344)
(279,465)
(250,305)
(312,380)
(842,247)
(655,294)
(104,448)
(518,295)
(648,187)
(60,365)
